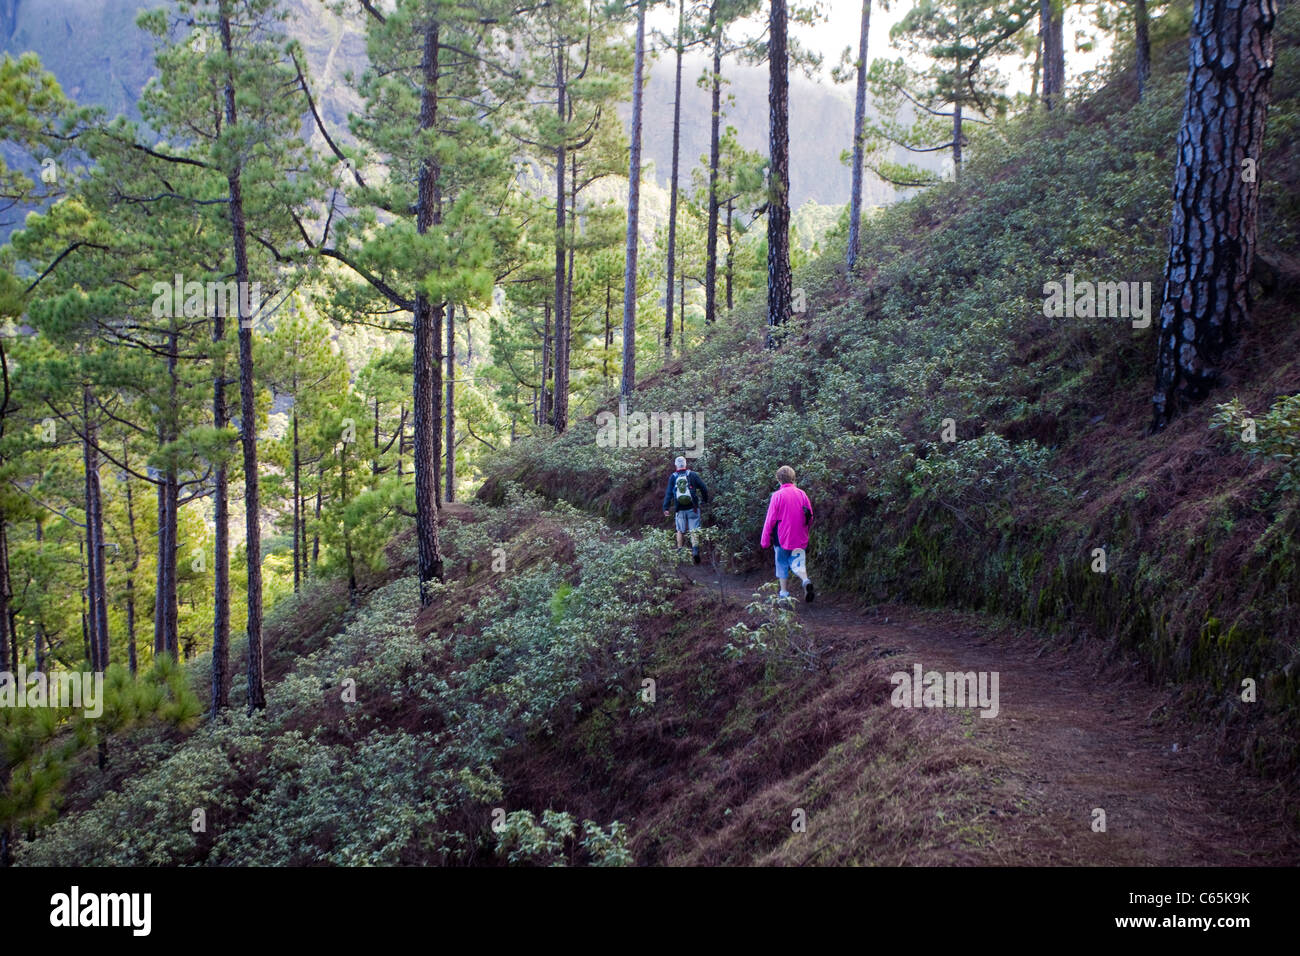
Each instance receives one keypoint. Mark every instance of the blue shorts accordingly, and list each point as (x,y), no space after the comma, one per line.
(688,520)
(788,560)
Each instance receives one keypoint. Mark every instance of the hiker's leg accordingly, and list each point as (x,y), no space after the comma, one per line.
(680,519)
(799,564)
(782,568)
(693,523)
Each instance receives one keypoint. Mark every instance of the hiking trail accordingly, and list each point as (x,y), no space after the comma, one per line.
(1073,733)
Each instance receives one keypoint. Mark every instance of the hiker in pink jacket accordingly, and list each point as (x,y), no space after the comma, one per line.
(789,516)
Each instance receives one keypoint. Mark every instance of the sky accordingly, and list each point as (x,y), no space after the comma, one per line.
(843,21)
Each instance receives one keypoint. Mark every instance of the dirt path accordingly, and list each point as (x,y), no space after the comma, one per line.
(1072,735)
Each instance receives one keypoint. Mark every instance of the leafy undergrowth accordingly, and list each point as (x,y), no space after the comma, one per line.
(400,735)
(766,757)
(941,333)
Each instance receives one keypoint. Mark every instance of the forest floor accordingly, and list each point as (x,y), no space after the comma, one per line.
(1074,733)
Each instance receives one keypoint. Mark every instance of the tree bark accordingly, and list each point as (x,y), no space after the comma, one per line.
(672,185)
(1142,40)
(298,552)
(859,140)
(564,320)
(160,570)
(170,598)
(450,411)
(427,323)
(1206,296)
(628,383)
(347,533)
(1051,19)
(10,657)
(544,399)
(131,653)
(731,256)
(609,331)
(956,141)
(779,281)
(715,140)
(221,535)
(247,404)
(97,591)
(556,407)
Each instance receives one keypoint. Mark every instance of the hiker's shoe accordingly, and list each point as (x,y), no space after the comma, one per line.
(809,592)
(783,595)
(695,555)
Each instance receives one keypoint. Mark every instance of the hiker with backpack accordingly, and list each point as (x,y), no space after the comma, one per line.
(789,516)
(683,485)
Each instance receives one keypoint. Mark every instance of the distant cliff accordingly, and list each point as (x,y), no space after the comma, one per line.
(100,57)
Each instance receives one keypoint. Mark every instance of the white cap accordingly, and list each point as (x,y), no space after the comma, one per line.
(681,462)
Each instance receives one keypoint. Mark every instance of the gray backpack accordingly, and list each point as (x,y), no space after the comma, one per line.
(685,500)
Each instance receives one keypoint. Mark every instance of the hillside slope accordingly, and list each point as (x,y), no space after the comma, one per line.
(579,694)
(941,334)
(574,698)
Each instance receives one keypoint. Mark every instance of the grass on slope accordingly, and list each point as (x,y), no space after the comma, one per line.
(943,324)
(509,723)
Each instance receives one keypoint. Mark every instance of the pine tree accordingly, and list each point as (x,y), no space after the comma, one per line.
(779,281)
(1216,198)
(628,383)
(433,64)
(859,139)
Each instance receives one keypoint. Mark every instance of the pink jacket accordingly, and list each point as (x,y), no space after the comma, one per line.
(785,513)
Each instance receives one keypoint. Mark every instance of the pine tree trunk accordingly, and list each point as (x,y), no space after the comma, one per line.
(427,322)
(131,654)
(956,141)
(715,146)
(544,399)
(172,609)
(1036,77)
(401,439)
(628,383)
(160,570)
(552,406)
(1206,296)
(247,406)
(859,138)
(1142,39)
(97,591)
(10,657)
(315,534)
(298,554)
(221,537)
(564,322)
(374,462)
(347,533)
(38,632)
(682,313)
(672,185)
(302,531)
(450,413)
(779,281)
(731,256)
(1052,29)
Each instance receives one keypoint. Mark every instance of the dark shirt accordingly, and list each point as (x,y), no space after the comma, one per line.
(695,483)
